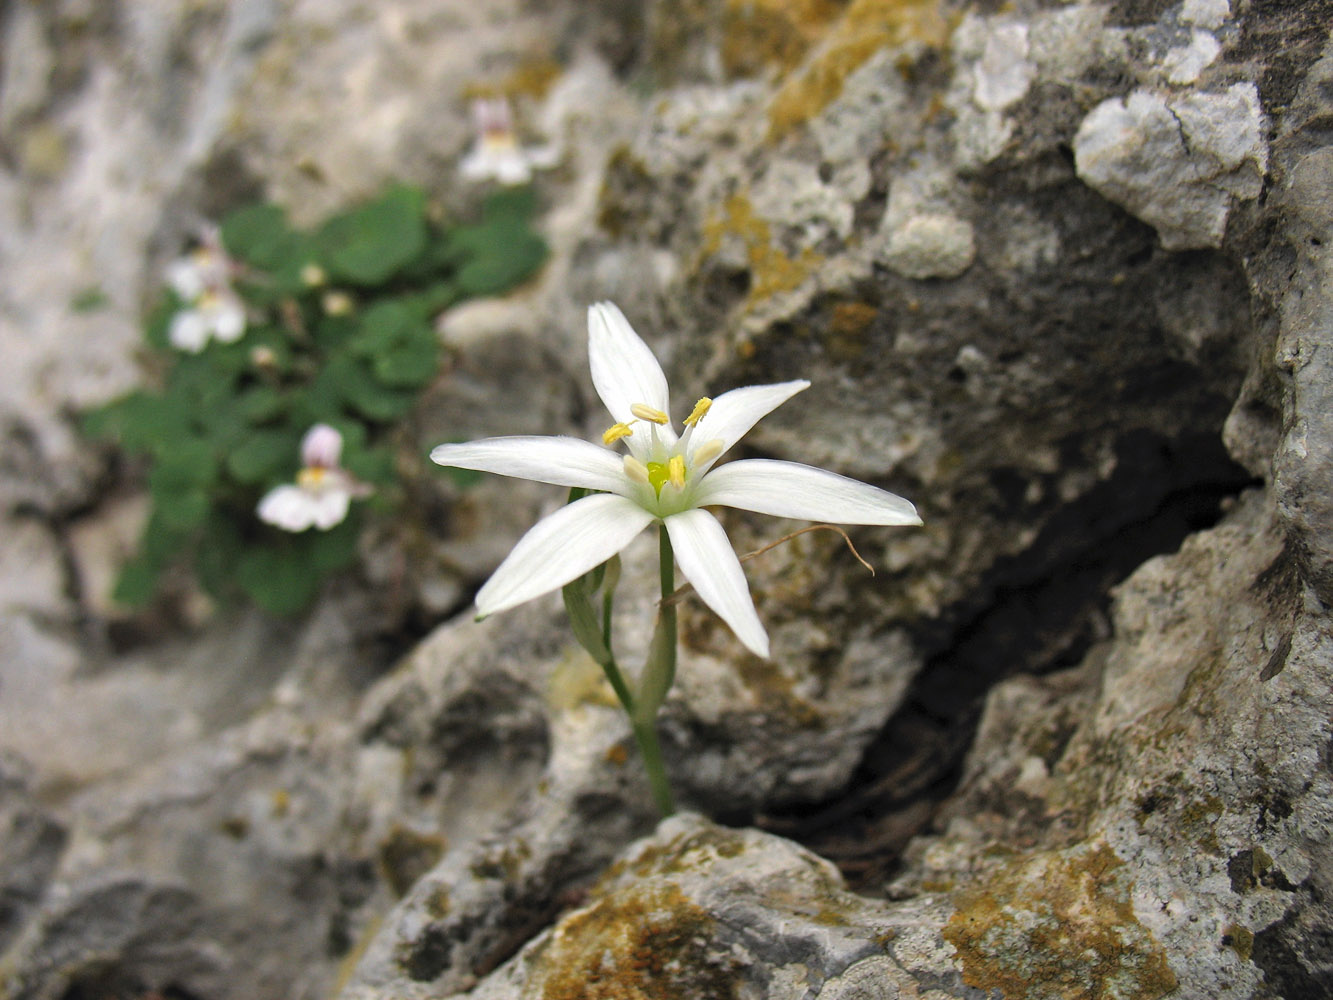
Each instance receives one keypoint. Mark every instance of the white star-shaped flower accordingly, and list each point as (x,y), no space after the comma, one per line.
(323,490)
(214,310)
(665,478)
(497,154)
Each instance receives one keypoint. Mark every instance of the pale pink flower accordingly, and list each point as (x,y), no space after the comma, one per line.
(323,491)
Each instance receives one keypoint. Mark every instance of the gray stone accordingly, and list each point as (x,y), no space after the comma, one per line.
(698,910)
(865,195)
(1179,163)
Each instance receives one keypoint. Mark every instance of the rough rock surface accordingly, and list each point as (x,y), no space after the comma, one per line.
(1060,273)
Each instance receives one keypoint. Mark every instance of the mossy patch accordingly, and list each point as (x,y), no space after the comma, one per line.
(771,270)
(1058,925)
(776,693)
(1240,940)
(504,863)
(405,855)
(848,326)
(866,27)
(646,941)
(532,77)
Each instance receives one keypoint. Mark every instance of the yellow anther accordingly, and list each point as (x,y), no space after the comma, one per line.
(636,470)
(311,477)
(313,275)
(615,432)
(696,414)
(676,471)
(708,451)
(645,412)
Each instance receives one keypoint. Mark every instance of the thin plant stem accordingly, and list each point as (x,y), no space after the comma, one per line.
(645,734)
(658,675)
(618,684)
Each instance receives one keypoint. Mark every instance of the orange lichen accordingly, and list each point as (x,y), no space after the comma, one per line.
(1057,925)
(865,28)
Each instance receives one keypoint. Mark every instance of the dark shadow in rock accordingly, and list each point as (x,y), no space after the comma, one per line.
(1047,607)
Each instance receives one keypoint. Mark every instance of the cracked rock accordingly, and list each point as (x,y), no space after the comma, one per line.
(1179,163)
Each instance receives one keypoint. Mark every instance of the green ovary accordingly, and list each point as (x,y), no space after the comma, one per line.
(658,474)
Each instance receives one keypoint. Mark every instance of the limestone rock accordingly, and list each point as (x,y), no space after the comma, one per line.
(1066,361)
(698,910)
(1178,163)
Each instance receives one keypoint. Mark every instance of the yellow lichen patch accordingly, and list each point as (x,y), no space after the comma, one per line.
(1058,925)
(771,270)
(645,941)
(759,34)
(866,27)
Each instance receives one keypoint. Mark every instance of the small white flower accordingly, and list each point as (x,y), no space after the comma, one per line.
(202,280)
(664,478)
(323,489)
(497,154)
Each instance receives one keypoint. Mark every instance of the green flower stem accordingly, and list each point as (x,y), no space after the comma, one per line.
(658,674)
(645,734)
(618,684)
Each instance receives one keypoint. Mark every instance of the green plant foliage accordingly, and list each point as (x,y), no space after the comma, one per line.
(340,330)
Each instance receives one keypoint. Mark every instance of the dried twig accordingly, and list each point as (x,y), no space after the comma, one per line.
(684,589)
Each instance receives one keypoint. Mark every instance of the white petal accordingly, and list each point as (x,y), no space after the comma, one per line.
(561,461)
(321,447)
(288,507)
(734,413)
(624,371)
(705,557)
(561,548)
(184,278)
(542,157)
(476,166)
(188,331)
(512,168)
(329,508)
(787,489)
(228,320)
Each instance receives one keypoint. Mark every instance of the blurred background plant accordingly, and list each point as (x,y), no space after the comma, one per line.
(338,330)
